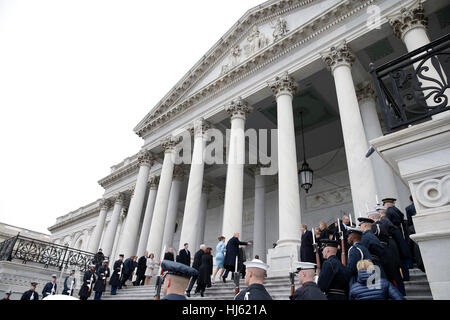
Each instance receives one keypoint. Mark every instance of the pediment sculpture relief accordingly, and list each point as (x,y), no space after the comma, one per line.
(280,29)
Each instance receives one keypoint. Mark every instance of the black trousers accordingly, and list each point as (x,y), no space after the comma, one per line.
(124,279)
(140,280)
(191,284)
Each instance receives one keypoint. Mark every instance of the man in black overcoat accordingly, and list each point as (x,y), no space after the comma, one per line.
(127,271)
(196,265)
(306,247)
(232,251)
(98,259)
(115,279)
(184,256)
(169,255)
(140,272)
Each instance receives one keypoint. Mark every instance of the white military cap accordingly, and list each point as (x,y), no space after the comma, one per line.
(256,263)
(305,265)
(380,207)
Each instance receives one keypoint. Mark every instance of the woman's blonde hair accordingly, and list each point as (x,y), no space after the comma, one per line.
(365,265)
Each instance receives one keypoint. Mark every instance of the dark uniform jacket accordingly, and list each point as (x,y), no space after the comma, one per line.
(254,291)
(102,277)
(198,259)
(373,244)
(333,279)
(84,290)
(99,257)
(67,286)
(309,291)
(128,267)
(232,251)
(169,256)
(390,259)
(356,253)
(174,296)
(184,257)
(384,291)
(410,212)
(27,295)
(115,278)
(48,289)
(306,248)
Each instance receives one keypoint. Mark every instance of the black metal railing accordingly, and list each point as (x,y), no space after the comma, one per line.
(406,91)
(45,253)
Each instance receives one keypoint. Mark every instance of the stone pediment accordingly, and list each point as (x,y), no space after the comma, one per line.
(263,33)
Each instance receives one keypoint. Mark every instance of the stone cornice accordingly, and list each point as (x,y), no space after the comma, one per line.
(76,217)
(128,169)
(169,108)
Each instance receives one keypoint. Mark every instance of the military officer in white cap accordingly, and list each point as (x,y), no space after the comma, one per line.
(254,278)
(309,289)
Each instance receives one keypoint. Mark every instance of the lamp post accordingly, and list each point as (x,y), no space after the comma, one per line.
(305,172)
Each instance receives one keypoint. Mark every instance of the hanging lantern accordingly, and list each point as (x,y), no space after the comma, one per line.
(306,176)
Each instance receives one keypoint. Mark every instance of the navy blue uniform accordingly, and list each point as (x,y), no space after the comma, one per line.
(174,296)
(27,295)
(67,284)
(254,291)
(356,253)
(309,291)
(333,279)
(48,289)
(373,244)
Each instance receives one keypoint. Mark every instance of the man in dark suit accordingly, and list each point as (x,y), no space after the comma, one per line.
(232,251)
(184,256)
(128,269)
(140,272)
(306,247)
(196,265)
(169,255)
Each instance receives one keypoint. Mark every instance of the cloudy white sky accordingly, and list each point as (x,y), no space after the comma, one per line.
(76,76)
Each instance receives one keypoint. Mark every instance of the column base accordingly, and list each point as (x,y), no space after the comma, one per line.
(280,258)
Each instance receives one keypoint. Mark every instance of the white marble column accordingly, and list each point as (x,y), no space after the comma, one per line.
(99,225)
(202,214)
(155,238)
(410,25)
(172,209)
(190,229)
(110,233)
(284,88)
(384,177)
(259,222)
(127,244)
(153,184)
(234,191)
(362,180)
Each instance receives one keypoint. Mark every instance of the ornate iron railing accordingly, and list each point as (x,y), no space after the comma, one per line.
(46,253)
(406,91)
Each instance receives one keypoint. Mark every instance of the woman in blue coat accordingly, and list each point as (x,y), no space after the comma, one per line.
(381,289)
(220,257)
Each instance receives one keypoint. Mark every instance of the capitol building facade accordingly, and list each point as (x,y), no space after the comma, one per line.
(289,83)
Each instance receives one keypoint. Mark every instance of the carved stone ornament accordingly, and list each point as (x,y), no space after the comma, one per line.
(284,84)
(365,91)
(433,193)
(145,157)
(199,127)
(407,19)
(179,172)
(238,108)
(338,56)
(280,29)
(119,197)
(255,42)
(153,182)
(169,143)
(104,204)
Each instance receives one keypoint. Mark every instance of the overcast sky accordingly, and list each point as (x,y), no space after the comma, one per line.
(76,76)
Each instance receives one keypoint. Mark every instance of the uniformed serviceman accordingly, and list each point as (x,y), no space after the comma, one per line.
(69,284)
(89,279)
(114,281)
(31,294)
(50,287)
(334,277)
(103,274)
(309,289)
(254,278)
(401,236)
(7,295)
(356,252)
(371,242)
(176,279)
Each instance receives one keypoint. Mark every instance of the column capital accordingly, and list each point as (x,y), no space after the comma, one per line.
(169,143)
(283,84)
(131,189)
(153,181)
(238,108)
(338,56)
(199,127)
(179,172)
(207,187)
(365,91)
(407,19)
(104,204)
(145,157)
(118,198)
